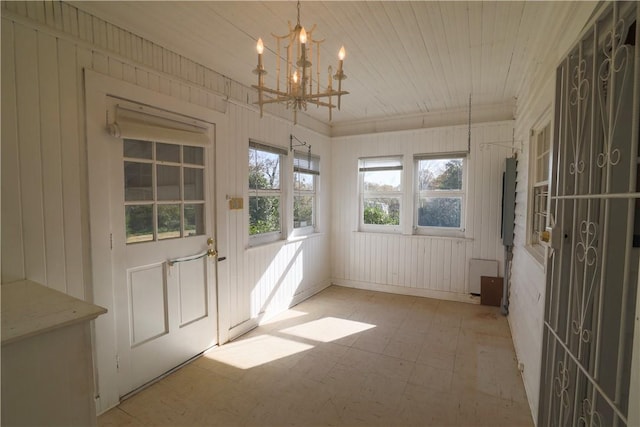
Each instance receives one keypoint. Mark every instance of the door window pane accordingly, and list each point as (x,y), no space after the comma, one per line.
(440,212)
(193,184)
(164,187)
(193,155)
(138,182)
(139,223)
(168,182)
(194,220)
(264,214)
(168,221)
(138,149)
(167,152)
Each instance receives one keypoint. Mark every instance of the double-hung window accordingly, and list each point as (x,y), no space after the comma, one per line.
(381,193)
(265,192)
(306,174)
(440,193)
(540,155)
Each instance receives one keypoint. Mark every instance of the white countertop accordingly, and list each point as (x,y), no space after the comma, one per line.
(30,309)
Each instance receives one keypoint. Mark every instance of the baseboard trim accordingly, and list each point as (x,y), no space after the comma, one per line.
(251,324)
(401,290)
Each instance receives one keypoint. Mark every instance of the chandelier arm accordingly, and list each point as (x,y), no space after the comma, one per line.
(272,91)
(326,94)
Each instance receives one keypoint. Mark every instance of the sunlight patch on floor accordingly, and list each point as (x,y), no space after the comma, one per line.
(287,315)
(327,329)
(252,352)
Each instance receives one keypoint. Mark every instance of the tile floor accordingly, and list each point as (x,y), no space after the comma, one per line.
(348,357)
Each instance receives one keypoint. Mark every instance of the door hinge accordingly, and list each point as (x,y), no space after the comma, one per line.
(111,241)
(117,362)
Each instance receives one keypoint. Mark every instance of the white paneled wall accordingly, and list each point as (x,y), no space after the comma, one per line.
(527,294)
(416,264)
(269,276)
(45,210)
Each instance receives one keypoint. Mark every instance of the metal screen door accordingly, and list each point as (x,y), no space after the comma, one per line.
(592,274)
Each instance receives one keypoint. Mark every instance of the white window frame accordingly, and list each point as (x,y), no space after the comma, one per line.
(364,195)
(155,201)
(259,239)
(539,187)
(306,163)
(462,194)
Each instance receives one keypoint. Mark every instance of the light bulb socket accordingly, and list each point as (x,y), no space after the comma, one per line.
(340,75)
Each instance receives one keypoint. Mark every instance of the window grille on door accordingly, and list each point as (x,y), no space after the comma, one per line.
(593,266)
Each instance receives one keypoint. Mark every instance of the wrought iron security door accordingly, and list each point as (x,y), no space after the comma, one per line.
(592,272)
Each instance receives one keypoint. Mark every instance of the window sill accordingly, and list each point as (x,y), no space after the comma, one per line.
(419,236)
(537,252)
(283,242)
(438,232)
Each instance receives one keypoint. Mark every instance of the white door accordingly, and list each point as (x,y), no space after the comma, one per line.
(164,280)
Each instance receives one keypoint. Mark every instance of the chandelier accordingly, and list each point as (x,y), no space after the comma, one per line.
(295,85)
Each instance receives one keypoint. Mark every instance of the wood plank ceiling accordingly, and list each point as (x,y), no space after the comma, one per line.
(403,58)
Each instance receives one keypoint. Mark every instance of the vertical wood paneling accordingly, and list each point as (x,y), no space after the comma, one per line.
(13,267)
(71,156)
(28,111)
(51,162)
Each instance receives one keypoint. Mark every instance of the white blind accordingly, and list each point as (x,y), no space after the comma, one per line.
(140,124)
(306,163)
(373,164)
(268,148)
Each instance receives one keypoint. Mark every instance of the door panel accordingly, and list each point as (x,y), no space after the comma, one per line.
(162,220)
(193,291)
(148,302)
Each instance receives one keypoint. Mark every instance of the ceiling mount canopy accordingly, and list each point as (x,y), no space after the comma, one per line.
(299,83)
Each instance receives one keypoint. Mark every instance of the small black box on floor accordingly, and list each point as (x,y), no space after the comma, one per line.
(490,290)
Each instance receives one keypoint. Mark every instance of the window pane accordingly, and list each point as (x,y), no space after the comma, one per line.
(264,170)
(193,155)
(194,224)
(264,214)
(382,180)
(168,221)
(302,211)
(138,181)
(137,149)
(139,223)
(382,211)
(168,182)
(440,212)
(303,181)
(193,184)
(440,174)
(167,152)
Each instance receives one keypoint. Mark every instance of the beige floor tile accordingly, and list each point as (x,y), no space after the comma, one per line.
(348,357)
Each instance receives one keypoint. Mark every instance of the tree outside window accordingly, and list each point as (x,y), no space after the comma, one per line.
(265,192)
(381,189)
(440,198)
(306,173)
